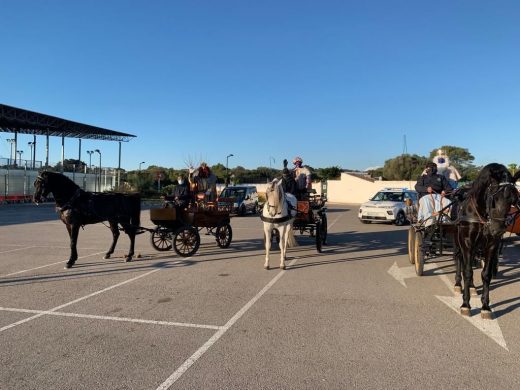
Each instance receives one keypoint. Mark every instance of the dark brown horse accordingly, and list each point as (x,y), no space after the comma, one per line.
(78,208)
(481,222)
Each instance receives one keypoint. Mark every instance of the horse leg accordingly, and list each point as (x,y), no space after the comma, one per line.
(130,231)
(457,257)
(115,235)
(465,309)
(283,244)
(487,272)
(73,233)
(267,240)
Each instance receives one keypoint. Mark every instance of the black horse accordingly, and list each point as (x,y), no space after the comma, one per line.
(481,222)
(78,208)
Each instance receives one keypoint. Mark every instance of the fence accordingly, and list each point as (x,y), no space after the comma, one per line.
(16,185)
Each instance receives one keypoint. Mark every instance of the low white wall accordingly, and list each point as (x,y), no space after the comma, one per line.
(351,189)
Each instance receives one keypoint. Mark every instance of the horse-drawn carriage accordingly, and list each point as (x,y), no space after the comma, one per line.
(311,217)
(179,227)
(431,233)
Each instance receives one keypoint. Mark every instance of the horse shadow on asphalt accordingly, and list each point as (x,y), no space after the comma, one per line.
(84,269)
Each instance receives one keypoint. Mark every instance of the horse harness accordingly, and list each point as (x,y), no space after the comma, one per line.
(288,217)
(486,220)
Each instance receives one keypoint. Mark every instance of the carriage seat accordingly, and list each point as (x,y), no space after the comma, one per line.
(430,207)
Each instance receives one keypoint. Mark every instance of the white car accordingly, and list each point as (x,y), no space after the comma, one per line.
(388,205)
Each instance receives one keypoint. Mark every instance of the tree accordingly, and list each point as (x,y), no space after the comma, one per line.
(404,167)
(323,174)
(512,168)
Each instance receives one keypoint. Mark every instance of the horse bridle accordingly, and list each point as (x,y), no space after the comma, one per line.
(490,200)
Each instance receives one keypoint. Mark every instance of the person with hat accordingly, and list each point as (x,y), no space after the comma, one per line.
(431,182)
(302,176)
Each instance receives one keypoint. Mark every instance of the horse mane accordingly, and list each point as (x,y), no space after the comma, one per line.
(490,174)
(60,179)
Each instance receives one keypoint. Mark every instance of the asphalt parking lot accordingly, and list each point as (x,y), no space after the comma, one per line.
(353,316)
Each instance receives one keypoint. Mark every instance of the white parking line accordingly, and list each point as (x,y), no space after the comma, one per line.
(110,318)
(76,300)
(202,350)
(46,265)
(18,249)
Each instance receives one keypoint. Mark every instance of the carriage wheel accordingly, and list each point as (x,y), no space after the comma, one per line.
(319,241)
(324,229)
(161,239)
(186,241)
(411,244)
(224,234)
(419,254)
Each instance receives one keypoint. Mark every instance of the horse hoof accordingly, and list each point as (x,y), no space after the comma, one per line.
(282,267)
(139,256)
(473,291)
(458,289)
(106,257)
(266,267)
(465,311)
(486,314)
(69,265)
(128,259)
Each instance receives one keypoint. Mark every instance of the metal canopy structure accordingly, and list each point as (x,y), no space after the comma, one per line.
(18,120)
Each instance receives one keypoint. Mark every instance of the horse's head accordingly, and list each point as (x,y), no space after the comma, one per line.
(41,187)
(497,194)
(274,196)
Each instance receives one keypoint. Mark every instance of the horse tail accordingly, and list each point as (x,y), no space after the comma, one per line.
(291,240)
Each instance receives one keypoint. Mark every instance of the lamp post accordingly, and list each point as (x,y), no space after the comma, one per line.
(12,141)
(31,145)
(90,159)
(271,158)
(98,151)
(20,155)
(142,162)
(227,169)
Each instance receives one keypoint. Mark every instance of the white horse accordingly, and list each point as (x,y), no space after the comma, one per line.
(278,213)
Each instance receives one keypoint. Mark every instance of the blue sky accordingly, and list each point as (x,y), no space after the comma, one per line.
(339,83)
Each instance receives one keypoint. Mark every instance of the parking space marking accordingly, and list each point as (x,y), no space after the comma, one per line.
(17,249)
(77,300)
(46,265)
(207,345)
(110,318)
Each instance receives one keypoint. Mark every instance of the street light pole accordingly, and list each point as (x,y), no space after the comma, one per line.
(98,151)
(12,141)
(142,162)
(31,144)
(227,169)
(20,155)
(90,159)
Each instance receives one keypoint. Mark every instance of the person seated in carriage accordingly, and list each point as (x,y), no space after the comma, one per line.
(302,176)
(288,182)
(181,194)
(203,183)
(436,187)
(431,182)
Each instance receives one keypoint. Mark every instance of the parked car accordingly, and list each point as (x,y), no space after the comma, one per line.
(388,205)
(245,198)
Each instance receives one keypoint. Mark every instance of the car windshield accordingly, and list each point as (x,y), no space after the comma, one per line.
(232,193)
(389,196)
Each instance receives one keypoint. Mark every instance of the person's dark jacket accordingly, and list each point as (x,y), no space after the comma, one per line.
(288,183)
(181,195)
(437,182)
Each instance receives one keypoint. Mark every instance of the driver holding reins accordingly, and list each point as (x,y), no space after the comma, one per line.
(432,182)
